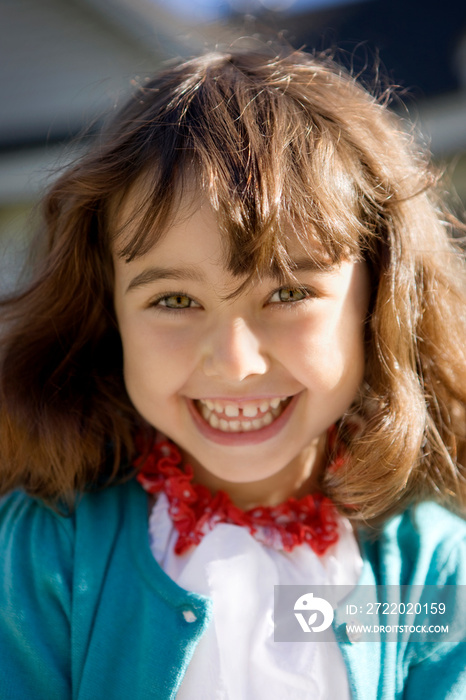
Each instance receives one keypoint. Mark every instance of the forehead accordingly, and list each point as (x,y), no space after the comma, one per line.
(195,231)
(133,213)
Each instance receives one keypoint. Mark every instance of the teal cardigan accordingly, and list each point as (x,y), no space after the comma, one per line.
(86,612)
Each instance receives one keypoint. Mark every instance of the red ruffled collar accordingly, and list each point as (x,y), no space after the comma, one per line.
(311,520)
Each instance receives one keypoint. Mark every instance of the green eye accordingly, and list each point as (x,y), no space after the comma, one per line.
(290,294)
(176,301)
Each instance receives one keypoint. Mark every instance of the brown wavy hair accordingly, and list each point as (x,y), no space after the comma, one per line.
(271,140)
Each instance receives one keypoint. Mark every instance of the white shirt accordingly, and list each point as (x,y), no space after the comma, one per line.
(237,658)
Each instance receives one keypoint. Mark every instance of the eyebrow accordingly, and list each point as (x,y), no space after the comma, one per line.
(313,265)
(153,274)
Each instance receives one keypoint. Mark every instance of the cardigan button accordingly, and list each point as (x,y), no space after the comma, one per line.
(354,635)
(189,616)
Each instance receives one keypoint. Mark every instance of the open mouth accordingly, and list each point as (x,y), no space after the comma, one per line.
(250,416)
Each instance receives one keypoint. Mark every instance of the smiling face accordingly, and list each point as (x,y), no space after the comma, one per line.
(246,386)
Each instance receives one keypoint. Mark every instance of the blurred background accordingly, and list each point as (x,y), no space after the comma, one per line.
(66,63)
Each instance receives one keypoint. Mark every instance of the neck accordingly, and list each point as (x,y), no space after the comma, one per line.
(297,479)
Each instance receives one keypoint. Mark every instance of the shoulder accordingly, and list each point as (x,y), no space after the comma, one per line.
(429,525)
(433,536)
(27,526)
(34,536)
(433,519)
(46,558)
(424,543)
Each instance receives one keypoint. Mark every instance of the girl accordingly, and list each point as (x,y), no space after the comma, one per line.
(247,337)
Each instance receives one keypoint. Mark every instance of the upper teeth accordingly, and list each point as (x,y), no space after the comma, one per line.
(249,410)
(250,416)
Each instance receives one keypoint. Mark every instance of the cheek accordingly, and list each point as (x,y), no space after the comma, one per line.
(325,353)
(307,346)
(155,361)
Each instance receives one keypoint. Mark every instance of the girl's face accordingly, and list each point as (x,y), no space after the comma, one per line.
(246,387)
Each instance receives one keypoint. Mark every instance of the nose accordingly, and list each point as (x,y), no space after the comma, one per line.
(233,352)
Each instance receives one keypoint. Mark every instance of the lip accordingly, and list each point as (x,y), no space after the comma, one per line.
(242,438)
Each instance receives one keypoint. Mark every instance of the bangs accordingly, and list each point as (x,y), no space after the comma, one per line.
(272,167)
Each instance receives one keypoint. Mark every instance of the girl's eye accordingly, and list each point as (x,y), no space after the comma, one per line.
(176,301)
(286,294)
